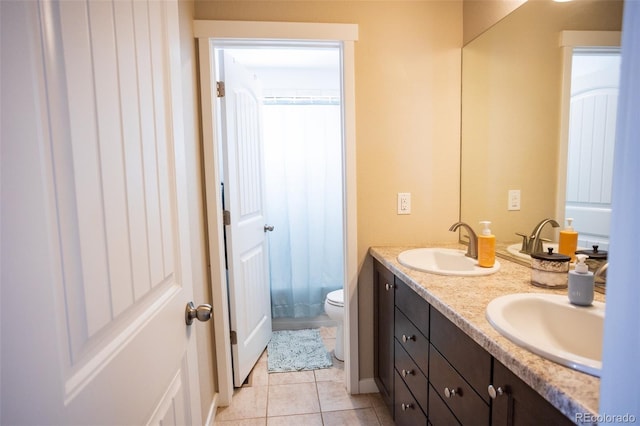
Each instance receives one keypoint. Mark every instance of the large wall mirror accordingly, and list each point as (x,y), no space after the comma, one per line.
(515,114)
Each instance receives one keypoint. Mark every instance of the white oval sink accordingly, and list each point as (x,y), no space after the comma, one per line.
(443,261)
(550,326)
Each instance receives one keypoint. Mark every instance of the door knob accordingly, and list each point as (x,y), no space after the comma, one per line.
(201,313)
(268,228)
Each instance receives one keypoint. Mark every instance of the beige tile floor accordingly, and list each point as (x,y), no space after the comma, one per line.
(306,398)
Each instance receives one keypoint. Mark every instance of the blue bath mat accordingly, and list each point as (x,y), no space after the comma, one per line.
(297,350)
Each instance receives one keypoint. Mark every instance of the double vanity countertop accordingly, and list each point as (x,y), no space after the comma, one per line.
(463,300)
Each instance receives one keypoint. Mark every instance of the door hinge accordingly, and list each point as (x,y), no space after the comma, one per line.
(226,217)
(220,89)
(234,338)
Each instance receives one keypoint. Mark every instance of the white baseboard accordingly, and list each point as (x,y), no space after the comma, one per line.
(368,386)
(211,416)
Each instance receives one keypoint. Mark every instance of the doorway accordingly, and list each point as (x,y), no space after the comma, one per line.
(303,178)
(207,32)
(590,74)
(595,76)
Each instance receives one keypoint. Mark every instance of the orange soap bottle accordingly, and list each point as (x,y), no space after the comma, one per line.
(568,243)
(486,246)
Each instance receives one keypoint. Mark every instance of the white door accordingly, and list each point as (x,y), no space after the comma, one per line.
(592,125)
(247,250)
(95,239)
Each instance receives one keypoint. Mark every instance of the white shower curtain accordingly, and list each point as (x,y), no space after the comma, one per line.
(303,156)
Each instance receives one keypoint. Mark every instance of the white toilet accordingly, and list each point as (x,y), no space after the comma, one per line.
(334,308)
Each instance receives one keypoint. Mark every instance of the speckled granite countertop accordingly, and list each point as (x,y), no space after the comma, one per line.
(463,300)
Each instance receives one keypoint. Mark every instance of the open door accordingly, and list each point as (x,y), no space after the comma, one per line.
(96,269)
(246,228)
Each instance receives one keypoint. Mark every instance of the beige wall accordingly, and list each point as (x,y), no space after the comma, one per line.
(407,62)
(479,15)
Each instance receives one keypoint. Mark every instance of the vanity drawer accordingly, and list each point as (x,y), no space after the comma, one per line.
(468,407)
(413,306)
(405,408)
(413,341)
(465,355)
(439,413)
(412,376)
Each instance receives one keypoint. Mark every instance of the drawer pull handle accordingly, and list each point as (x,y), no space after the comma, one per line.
(405,407)
(388,286)
(495,392)
(406,338)
(450,393)
(406,373)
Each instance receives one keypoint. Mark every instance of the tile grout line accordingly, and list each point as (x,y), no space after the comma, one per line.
(315,380)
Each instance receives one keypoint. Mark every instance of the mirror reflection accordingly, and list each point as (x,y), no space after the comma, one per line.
(517,167)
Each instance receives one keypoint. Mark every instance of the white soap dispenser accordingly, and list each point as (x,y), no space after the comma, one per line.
(581,282)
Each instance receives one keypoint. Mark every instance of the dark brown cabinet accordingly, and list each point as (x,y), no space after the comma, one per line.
(383,324)
(429,371)
(517,404)
(406,408)
(411,357)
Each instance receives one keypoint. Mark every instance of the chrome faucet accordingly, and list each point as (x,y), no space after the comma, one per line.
(472,250)
(600,275)
(534,243)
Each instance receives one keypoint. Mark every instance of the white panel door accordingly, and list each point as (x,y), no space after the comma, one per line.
(95,244)
(247,251)
(592,132)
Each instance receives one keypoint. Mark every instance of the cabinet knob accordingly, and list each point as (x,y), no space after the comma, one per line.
(494,393)
(388,286)
(450,393)
(405,407)
(406,373)
(406,338)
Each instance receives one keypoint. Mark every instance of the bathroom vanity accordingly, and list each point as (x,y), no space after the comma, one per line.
(439,361)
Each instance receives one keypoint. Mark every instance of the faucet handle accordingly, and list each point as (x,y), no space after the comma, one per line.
(525,242)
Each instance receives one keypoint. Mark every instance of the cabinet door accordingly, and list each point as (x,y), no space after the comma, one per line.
(407,410)
(518,404)
(384,300)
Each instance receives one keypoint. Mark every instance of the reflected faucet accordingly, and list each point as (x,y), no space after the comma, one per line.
(600,274)
(534,244)
(472,250)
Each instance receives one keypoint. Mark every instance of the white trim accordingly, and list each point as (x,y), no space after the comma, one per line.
(213,408)
(275,30)
(215,227)
(569,41)
(345,34)
(351,337)
(590,38)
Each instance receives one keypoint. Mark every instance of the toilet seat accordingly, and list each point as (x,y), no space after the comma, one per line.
(336,298)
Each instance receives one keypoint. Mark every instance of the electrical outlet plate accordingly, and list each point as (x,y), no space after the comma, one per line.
(404,203)
(514,200)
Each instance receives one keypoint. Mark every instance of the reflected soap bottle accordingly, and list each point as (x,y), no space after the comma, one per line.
(486,246)
(568,243)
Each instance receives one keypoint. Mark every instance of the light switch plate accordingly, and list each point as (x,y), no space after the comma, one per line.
(514,200)
(404,203)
